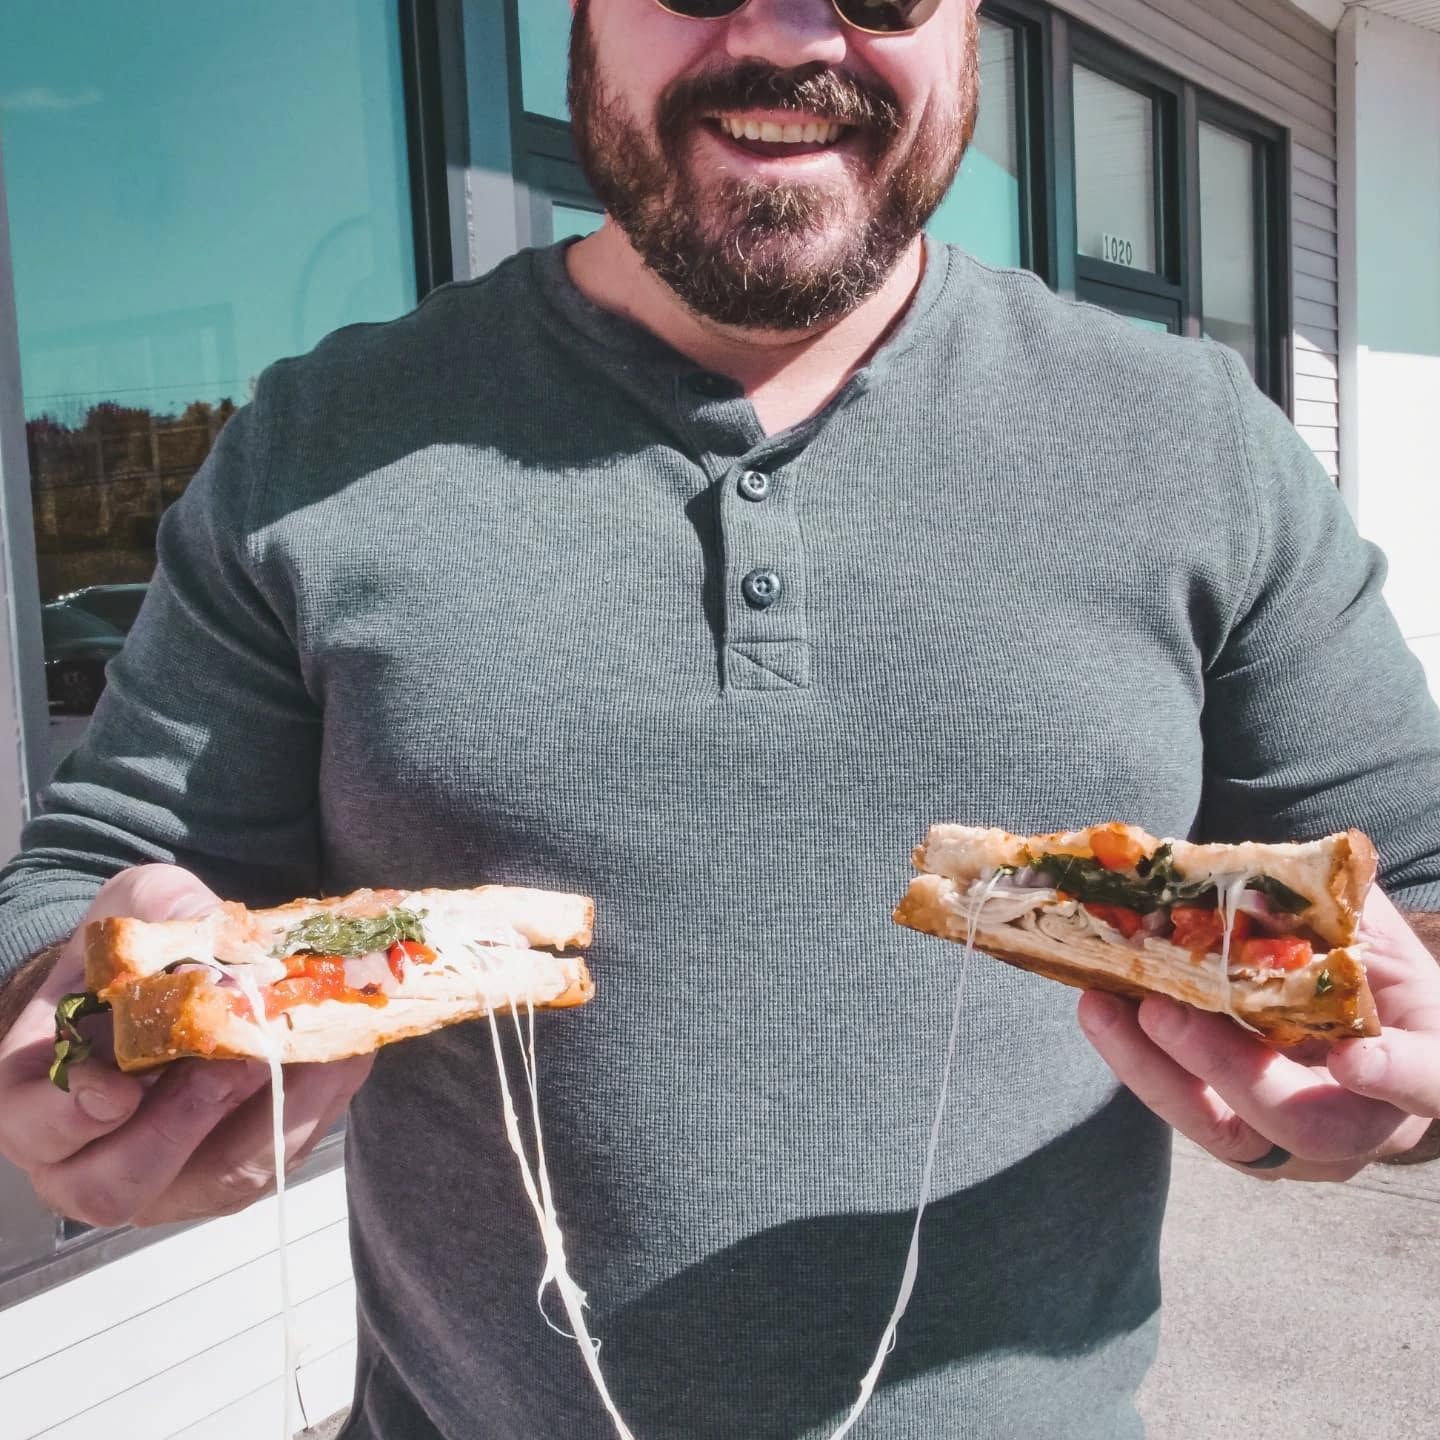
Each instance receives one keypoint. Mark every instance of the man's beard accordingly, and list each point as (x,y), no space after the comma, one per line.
(762,255)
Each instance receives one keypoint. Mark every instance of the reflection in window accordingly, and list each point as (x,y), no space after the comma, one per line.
(1228,281)
(1114,171)
(182,212)
(982,211)
(544,56)
(570,222)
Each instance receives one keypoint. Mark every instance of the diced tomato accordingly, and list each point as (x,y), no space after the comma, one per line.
(1125,920)
(411,952)
(329,969)
(1201,928)
(312,979)
(1115,848)
(1285,952)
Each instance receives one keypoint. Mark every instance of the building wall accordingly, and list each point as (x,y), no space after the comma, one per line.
(1266,56)
(1391,165)
(184,1339)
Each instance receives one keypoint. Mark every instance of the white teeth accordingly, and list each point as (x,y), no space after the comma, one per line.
(809,133)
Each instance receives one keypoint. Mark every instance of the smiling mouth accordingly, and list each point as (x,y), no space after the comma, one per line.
(801,135)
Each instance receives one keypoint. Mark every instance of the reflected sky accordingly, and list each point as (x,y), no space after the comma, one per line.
(196,190)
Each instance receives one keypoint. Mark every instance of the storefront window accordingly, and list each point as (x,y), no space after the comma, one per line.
(1229,284)
(981,213)
(1114,171)
(194,191)
(570,221)
(544,56)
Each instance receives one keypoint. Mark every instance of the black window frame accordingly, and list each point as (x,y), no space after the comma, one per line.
(1274,257)
(1181,107)
(1165,93)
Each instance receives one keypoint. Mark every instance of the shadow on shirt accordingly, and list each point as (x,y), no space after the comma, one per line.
(1056,1256)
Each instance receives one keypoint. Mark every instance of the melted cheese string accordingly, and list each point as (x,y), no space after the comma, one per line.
(536,1183)
(263,1023)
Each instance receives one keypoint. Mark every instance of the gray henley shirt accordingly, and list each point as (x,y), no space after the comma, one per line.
(470,597)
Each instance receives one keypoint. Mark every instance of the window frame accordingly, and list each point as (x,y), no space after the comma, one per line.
(433,104)
(1273,252)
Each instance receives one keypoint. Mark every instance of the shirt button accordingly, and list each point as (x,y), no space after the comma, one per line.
(754,485)
(761,589)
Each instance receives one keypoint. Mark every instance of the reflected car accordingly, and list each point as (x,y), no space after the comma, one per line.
(119,604)
(78,646)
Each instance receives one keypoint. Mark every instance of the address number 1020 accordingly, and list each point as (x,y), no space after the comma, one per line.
(1117,250)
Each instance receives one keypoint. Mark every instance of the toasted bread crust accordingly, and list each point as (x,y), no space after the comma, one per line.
(934,905)
(121,949)
(162,1017)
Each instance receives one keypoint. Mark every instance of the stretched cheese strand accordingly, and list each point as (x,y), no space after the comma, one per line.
(556,1272)
(912,1259)
(251,992)
(1229,892)
(537,1189)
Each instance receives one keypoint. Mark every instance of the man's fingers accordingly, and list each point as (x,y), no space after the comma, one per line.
(1285,1102)
(42,1125)
(1172,1092)
(115,1178)
(1399,1067)
(234,1166)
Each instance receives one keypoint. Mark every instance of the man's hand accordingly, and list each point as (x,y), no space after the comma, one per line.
(1336,1112)
(191,1141)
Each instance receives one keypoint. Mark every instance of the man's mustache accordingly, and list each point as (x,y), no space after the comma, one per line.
(753,85)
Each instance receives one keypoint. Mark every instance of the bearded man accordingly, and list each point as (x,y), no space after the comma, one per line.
(699,566)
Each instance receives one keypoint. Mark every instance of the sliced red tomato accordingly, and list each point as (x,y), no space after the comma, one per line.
(408,952)
(1115,848)
(1124,919)
(312,979)
(1285,952)
(1201,928)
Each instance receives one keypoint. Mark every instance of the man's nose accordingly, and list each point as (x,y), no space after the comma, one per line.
(788,33)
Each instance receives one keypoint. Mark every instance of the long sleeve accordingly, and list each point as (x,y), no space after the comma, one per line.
(1317,714)
(204,748)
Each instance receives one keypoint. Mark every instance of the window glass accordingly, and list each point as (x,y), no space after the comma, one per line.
(569,222)
(544,56)
(183,211)
(1114,171)
(982,211)
(1228,281)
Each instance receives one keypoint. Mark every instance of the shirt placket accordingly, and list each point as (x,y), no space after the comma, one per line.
(766,645)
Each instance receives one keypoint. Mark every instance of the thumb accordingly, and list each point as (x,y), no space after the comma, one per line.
(153,892)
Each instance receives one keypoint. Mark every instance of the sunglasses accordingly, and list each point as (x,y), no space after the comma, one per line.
(874,17)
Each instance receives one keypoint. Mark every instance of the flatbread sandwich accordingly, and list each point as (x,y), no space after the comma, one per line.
(1267,934)
(327,978)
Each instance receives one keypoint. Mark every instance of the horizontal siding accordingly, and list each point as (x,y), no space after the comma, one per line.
(1268,57)
(190,1390)
(154,1342)
(326,1386)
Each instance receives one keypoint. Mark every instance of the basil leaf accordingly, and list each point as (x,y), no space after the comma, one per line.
(71,1047)
(1088,880)
(1281,896)
(1323,984)
(330,934)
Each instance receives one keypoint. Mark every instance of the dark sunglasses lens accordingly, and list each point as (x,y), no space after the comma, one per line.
(701,9)
(887,17)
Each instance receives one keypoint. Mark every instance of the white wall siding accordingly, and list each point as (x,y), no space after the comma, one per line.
(187,1333)
(1390,154)
(1266,56)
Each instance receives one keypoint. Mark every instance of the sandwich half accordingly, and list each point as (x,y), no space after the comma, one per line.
(332,978)
(1267,934)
